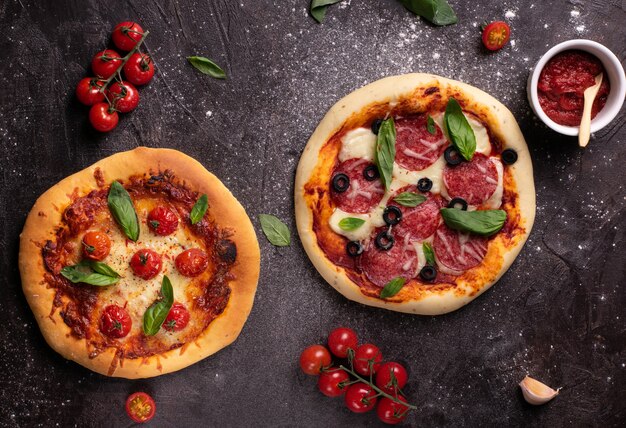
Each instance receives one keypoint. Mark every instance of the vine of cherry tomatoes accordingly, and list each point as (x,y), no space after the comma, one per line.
(365,382)
(107,92)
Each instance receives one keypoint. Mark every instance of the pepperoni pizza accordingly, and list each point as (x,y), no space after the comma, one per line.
(415,193)
(140,265)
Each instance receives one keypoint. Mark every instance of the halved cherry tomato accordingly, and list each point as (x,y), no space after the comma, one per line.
(162,221)
(139,69)
(103,117)
(140,407)
(105,63)
(88,91)
(332,383)
(146,263)
(192,262)
(124,96)
(177,319)
(126,35)
(360,398)
(367,358)
(340,340)
(496,35)
(391,377)
(96,245)
(313,359)
(115,322)
(390,412)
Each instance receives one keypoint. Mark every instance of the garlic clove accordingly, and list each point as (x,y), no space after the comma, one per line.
(535,392)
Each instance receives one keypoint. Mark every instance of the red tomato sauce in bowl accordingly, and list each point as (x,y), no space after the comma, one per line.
(562,83)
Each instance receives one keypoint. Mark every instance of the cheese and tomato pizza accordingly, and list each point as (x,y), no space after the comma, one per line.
(415,193)
(140,265)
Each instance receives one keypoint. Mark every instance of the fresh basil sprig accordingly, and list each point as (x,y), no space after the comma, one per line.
(157,312)
(430,125)
(199,209)
(350,223)
(275,230)
(91,272)
(429,254)
(318,8)
(409,199)
(480,222)
(392,288)
(438,12)
(459,130)
(386,151)
(123,211)
(206,66)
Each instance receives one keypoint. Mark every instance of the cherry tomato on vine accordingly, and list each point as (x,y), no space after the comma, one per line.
(340,340)
(88,91)
(360,398)
(177,318)
(96,245)
(192,262)
(105,63)
(140,407)
(390,412)
(126,35)
(365,356)
(115,322)
(139,69)
(124,96)
(332,383)
(103,117)
(385,380)
(496,35)
(313,359)
(146,263)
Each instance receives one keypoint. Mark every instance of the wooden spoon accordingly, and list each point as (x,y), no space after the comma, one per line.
(585,123)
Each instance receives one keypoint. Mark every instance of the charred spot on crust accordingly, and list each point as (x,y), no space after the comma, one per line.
(99,176)
(227,250)
(431,90)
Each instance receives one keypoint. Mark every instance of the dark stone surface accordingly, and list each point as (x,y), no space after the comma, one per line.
(558,313)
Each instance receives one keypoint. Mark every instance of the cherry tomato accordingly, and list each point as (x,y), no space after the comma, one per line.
(106,63)
(139,69)
(140,407)
(96,245)
(496,35)
(192,262)
(126,35)
(102,117)
(88,91)
(177,319)
(391,377)
(162,221)
(146,263)
(115,322)
(391,412)
(332,383)
(340,340)
(360,398)
(124,96)
(365,356)
(313,359)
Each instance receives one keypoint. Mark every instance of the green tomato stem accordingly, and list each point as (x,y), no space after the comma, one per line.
(125,59)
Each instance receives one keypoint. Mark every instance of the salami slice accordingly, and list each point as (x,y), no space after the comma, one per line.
(416,148)
(382,266)
(457,252)
(362,194)
(473,181)
(419,222)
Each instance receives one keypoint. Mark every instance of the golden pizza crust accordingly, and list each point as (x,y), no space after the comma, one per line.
(46,215)
(391,90)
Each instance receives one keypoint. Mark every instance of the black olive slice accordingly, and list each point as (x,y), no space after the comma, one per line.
(371,173)
(424,184)
(458,203)
(452,156)
(341,182)
(392,215)
(376,125)
(508,156)
(354,248)
(428,273)
(384,240)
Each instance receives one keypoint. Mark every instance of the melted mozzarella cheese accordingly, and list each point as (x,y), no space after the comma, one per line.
(433,172)
(495,201)
(358,143)
(372,219)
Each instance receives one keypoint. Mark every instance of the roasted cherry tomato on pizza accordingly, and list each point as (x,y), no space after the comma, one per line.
(192,262)
(162,221)
(96,245)
(140,407)
(496,35)
(177,319)
(115,322)
(146,263)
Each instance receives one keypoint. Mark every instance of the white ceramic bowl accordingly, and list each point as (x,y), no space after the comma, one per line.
(613,68)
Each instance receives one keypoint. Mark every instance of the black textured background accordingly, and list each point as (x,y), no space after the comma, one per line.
(558,313)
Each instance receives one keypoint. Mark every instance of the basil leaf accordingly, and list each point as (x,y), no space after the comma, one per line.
(157,312)
(409,199)
(206,66)
(386,151)
(482,222)
(392,288)
(459,130)
(350,223)
(275,230)
(91,272)
(438,12)
(123,211)
(318,8)
(429,254)
(199,209)
(430,125)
